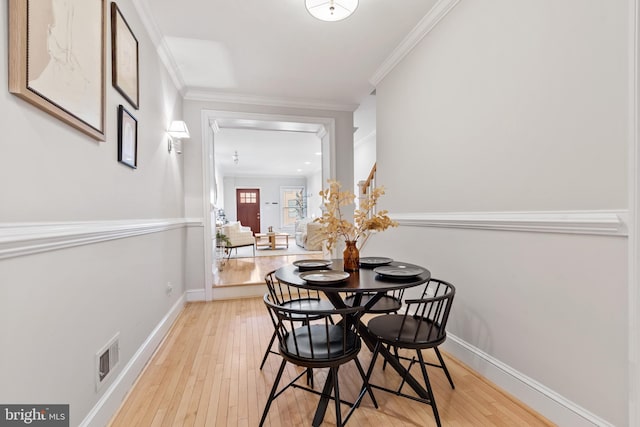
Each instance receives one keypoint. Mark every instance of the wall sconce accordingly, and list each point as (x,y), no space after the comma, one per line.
(177,130)
(235,157)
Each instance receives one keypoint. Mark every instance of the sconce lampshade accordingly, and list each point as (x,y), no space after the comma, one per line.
(331,10)
(178,129)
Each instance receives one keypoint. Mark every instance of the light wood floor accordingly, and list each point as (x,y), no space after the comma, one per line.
(250,271)
(206,373)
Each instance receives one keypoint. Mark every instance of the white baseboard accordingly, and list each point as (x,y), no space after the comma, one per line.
(540,398)
(235,292)
(543,400)
(106,407)
(194,295)
(227,292)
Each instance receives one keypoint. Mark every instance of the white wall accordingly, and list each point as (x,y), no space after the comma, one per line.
(270,204)
(58,308)
(364,159)
(528,82)
(519,106)
(364,150)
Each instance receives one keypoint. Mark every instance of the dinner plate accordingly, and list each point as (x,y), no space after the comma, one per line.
(399,271)
(324,277)
(312,264)
(373,261)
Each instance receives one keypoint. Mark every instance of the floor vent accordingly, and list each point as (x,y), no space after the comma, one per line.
(106,360)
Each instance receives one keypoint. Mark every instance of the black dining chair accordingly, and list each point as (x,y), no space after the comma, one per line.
(317,343)
(295,298)
(422,326)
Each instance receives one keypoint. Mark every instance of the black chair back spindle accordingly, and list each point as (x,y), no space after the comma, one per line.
(289,296)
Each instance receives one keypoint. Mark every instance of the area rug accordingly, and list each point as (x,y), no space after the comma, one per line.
(247,251)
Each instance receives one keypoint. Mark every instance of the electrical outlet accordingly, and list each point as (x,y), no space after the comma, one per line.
(169,288)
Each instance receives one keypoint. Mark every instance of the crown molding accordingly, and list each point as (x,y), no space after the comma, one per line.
(171,66)
(144,12)
(610,223)
(229,98)
(424,27)
(322,132)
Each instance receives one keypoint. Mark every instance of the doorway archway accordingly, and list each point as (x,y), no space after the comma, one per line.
(214,120)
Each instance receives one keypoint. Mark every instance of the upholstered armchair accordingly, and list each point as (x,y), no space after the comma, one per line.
(238,236)
(309,234)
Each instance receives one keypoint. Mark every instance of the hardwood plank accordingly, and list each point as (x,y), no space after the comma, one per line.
(206,373)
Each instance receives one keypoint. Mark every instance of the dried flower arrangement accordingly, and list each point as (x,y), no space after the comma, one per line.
(365,219)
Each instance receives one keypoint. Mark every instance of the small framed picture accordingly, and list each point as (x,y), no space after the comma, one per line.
(124,57)
(127,138)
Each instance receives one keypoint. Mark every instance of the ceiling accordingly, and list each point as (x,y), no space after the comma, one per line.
(274,49)
(274,52)
(267,152)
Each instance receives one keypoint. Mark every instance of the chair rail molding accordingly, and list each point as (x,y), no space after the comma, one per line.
(599,222)
(21,239)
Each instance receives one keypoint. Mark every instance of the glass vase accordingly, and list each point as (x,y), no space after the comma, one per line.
(351,256)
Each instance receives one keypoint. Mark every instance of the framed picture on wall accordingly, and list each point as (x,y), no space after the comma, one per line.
(124,57)
(127,138)
(56,59)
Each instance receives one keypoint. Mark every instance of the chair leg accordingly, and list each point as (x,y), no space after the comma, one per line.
(273,392)
(266,353)
(429,389)
(444,367)
(395,351)
(376,350)
(365,384)
(309,370)
(336,392)
(384,364)
(310,377)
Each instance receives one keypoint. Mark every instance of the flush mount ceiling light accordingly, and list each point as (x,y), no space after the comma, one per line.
(331,10)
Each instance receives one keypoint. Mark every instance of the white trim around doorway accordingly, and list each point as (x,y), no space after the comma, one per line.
(633,223)
(209,123)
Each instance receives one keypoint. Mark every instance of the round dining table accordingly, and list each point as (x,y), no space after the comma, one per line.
(363,281)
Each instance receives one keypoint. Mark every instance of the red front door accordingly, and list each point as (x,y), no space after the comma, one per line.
(248,208)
